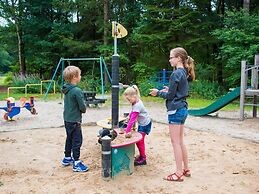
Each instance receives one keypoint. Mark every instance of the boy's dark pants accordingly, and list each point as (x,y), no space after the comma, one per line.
(74,139)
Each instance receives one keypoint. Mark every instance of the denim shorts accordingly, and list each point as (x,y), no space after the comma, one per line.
(146,129)
(178,117)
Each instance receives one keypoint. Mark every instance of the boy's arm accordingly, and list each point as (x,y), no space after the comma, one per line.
(81,102)
(133,119)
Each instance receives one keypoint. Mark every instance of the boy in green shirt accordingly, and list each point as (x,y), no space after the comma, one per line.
(74,106)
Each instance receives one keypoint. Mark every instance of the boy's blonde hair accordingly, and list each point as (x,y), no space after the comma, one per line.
(187,61)
(70,72)
(132,91)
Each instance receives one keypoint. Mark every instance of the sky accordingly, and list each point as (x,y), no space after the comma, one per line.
(2,22)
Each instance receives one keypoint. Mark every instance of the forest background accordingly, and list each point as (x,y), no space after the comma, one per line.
(217,34)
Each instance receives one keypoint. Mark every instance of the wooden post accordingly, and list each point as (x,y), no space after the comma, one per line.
(242,89)
(254,82)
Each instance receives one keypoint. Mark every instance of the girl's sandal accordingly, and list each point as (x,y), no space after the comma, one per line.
(174,177)
(187,172)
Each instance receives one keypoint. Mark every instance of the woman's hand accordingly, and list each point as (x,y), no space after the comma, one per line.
(165,89)
(153,92)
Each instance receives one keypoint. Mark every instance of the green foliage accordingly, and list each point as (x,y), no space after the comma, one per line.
(205,72)
(142,71)
(54,29)
(206,89)
(5,60)
(90,83)
(145,86)
(240,41)
(8,79)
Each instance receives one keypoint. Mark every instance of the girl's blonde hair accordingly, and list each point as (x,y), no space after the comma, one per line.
(132,91)
(70,72)
(187,61)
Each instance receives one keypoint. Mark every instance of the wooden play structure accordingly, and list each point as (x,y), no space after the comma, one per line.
(249,89)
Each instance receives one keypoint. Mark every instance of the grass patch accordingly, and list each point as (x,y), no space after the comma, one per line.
(193,102)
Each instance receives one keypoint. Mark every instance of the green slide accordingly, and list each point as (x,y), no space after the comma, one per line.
(218,104)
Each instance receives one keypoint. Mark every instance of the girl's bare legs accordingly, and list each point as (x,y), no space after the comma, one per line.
(184,150)
(175,134)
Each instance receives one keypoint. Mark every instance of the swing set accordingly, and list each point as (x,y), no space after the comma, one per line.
(62,64)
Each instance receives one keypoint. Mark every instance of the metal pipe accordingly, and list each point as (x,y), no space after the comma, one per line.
(106,156)
(115,90)
(115,37)
(53,77)
(101,72)
(79,59)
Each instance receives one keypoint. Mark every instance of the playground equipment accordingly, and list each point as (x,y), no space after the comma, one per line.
(243,91)
(162,78)
(12,110)
(89,98)
(117,155)
(62,63)
(218,104)
(121,150)
(28,85)
(249,91)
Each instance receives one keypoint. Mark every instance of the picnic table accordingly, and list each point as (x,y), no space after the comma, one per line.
(90,98)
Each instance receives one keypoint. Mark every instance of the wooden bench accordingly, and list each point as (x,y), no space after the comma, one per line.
(89,97)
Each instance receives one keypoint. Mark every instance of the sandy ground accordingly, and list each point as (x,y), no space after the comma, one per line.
(223,153)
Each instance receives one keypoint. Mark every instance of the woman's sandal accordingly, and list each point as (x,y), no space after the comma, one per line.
(187,172)
(174,177)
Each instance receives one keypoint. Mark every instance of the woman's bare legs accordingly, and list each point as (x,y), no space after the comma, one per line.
(175,134)
(184,150)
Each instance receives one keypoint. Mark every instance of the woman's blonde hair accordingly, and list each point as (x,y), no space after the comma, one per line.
(132,91)
(187,61)
(70,72)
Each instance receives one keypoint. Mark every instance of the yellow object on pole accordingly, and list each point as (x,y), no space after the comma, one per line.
(119,31)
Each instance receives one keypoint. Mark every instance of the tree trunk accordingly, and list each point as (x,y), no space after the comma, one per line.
(221,7)
(105,34)
(246,4)
(20,49)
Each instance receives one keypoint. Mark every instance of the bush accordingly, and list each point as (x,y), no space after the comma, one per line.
(89,83)
(206,89)
(8,79)
(21,81)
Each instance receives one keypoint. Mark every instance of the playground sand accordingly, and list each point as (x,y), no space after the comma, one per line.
(219,162)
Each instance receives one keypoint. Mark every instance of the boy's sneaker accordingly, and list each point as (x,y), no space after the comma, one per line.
(67,161)
(140,161)
(78,166)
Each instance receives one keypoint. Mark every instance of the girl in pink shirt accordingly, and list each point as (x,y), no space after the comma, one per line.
(138,114)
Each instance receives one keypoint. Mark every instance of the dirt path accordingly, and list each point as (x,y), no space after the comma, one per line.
(219,163)
(50,115)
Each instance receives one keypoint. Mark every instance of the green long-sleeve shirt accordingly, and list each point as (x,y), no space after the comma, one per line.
(74,104)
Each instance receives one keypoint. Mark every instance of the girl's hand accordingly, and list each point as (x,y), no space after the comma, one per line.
(153,92)
(128,135)
(165,89)
(122,130)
